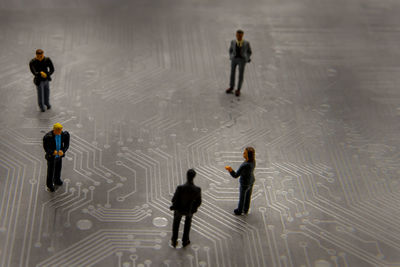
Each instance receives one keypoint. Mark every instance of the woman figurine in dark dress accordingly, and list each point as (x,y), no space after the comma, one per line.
(246,173)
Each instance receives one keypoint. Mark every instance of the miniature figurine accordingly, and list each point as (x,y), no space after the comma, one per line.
(55,143)
(42,68)
(186,201)
(239,54)
(246,173)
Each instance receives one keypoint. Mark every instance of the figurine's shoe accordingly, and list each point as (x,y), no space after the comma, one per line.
(42,109)
(59,183)
(185,243)
(229,91)
(237,93)
(48,106)
(174,243)
(50,189)
(237,212)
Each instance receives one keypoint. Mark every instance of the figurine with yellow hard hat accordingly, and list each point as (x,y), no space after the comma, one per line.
(55,143)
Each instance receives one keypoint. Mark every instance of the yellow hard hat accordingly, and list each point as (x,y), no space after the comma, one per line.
(57,126)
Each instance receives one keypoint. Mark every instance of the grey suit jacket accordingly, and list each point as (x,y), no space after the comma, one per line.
(245,53)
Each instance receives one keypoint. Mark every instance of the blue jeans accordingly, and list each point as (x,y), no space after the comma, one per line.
(43,94)
(245,198)
(234,62)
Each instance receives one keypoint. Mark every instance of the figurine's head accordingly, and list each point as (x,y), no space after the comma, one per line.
(39,54)
(249,154)
(57,128)
(239,35)
(190,175)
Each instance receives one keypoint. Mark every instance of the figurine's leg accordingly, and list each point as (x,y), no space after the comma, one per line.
(50,173)
(47,93)
(40,95)
(233,72)
(242,195)
(248,199)
(175,226)
(242,63)
(57,172)
(186,230)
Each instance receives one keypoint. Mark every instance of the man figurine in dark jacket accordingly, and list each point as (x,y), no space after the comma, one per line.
(42,68)
(239,54)
(55,143)
(186,201)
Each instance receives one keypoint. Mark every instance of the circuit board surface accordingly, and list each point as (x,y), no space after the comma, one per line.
(140,86)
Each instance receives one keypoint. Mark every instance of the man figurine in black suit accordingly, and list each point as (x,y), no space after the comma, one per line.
(239,54)
(55,143)
(186,201)
(42,68)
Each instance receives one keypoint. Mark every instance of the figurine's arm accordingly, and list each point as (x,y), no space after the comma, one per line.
(66,141)
(46,146)
(33,70)
(175,198)
(51,66)
(230,49)
(197,202)
(236,174)
(249,51)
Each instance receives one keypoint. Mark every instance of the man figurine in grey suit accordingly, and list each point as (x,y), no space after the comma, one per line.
(239,54)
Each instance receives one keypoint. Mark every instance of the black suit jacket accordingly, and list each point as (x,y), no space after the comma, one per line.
(49,144)
(187,199)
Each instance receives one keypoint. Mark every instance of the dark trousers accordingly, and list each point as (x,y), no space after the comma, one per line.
(245,198)
(186,229)
(234,63)
(53,172)
(43,94)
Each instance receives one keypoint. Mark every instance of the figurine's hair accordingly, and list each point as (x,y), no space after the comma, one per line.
(39,52)
(251,153)
(239,31)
